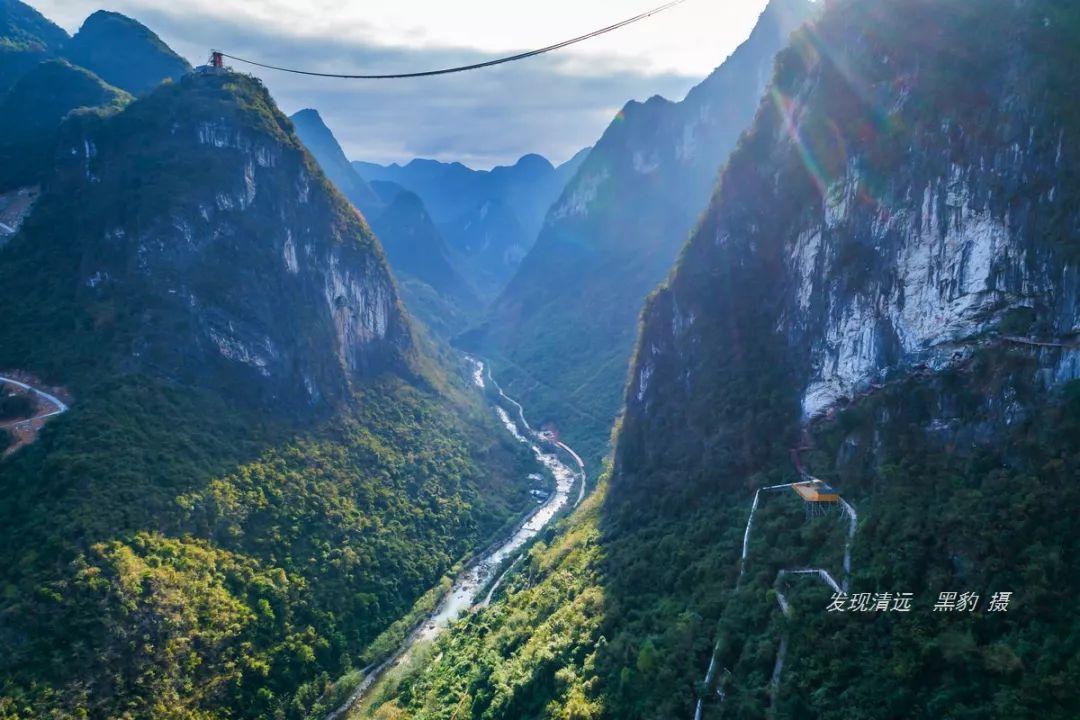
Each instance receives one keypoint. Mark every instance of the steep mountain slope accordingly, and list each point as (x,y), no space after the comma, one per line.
(321,143)
(262,468)
(886,281)
(491,242)
(459,199)
(26,38)
(31,111)
(124,53)
(431,286)
(450,190)
(561,332)
(413,243)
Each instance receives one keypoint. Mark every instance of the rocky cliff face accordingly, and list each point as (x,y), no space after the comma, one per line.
(322,144)
(569,314)
(889,211)
(199,204)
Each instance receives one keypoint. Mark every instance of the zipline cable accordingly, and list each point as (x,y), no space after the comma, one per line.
(475,66)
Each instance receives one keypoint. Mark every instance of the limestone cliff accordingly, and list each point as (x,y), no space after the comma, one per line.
(891,210)
(207,244)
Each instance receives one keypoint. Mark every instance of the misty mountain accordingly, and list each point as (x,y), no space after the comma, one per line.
(418,254)
(321,143)
(562,331)
(490,217)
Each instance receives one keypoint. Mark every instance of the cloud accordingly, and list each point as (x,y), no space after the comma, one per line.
(553,105)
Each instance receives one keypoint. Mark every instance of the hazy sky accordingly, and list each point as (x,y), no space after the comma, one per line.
(553,105)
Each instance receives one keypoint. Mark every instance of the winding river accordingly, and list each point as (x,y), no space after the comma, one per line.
(464,593)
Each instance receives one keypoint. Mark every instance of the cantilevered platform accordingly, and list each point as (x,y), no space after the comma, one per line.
(816,491)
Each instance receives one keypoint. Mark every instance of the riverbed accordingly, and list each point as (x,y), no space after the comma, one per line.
(464,593)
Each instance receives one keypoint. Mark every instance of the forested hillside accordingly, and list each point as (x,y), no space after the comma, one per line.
(881,295)
(31,112)
(263,466)
(26,38)
(562,332)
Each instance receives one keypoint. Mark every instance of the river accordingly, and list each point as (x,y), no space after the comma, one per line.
(463,594)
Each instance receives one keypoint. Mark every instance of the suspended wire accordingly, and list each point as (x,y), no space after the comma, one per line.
(475,66)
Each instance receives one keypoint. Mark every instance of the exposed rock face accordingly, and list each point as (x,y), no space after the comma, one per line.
(255,265)
(889,211)
(322,144)
(570,312)
(15,205)
(952,262)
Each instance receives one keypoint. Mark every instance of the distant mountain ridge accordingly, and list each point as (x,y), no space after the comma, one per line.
(451,189)
(322,144)
(562,330)
(490,217)
(431,285)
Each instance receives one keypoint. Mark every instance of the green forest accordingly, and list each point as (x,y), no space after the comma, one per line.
(212,563)
(197,539)
(622,606)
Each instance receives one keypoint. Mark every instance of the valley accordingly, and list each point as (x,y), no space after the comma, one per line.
(399,363)
(485,571)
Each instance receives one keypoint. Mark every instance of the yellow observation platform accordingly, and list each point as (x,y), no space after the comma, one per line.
(816,491)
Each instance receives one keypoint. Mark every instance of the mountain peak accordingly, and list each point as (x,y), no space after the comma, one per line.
(272,285)
(534,162)
(320,140)
(23,26)
(124,52)
(308,115)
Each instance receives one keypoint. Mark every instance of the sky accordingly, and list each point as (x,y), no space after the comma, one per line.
(553,105)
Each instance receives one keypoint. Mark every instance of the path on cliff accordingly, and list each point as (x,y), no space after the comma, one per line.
(58,405)
(464,593)
(781,599)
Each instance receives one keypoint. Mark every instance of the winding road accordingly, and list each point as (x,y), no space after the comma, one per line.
(464,593)
(58,405)
(820,573)
(25,430)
